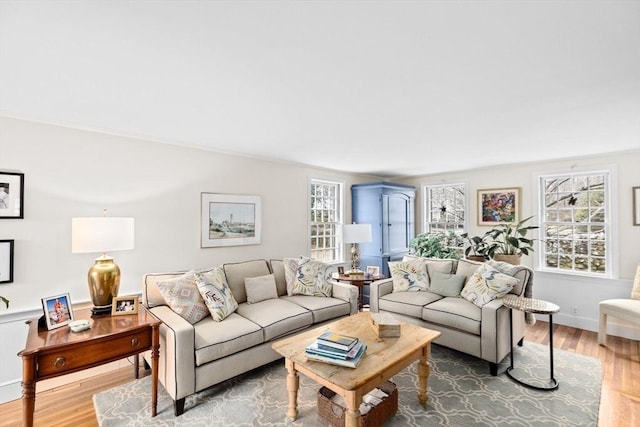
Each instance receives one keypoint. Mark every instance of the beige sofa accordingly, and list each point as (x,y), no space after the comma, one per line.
(479,331)
(194,357)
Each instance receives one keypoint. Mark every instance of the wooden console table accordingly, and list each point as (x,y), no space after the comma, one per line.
(359,280)
(49,354)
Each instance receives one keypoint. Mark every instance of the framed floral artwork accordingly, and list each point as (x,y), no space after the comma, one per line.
(498,206)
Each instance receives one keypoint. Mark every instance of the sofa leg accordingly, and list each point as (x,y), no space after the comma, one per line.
(521,342)
(493,368)
(178,406)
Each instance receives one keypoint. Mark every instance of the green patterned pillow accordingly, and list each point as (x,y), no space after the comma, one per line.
(216,293)
(487,284)
(409,276)
(182,296)
(312,278)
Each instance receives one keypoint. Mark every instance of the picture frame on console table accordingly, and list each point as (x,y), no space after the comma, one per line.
(230,220)
(6,261)
(124,305)
(57,311)
(498,206)
(11,195)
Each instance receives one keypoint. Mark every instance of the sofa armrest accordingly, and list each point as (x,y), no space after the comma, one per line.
(378,289)
(177,353)
(495,342)
(346,292)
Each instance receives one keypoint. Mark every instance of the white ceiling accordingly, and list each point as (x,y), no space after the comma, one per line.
(384,88)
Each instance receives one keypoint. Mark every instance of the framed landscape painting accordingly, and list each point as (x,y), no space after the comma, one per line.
(230,220)
(498,206)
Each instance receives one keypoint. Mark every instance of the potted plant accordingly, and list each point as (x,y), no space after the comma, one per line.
(434,245)
(5,301)
(510,241)
(476,248)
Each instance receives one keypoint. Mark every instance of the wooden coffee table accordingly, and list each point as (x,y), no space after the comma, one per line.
(384,358)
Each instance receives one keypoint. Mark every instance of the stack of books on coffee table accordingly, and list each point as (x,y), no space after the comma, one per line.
(337,349)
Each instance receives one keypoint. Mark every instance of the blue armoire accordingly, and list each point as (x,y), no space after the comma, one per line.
(389,208)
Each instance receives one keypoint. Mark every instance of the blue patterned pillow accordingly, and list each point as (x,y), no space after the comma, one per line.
(487,284)
(312,278)
(216,293)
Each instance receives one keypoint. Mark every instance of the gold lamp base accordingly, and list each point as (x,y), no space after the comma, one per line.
(104,282)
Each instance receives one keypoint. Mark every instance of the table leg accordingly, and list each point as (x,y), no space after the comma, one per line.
(553,380)
(352,415)
(293,382)
(136,364)
(28,390)
(155,354)
(423,374)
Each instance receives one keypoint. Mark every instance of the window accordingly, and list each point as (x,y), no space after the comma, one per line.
(575,223)
(325,199)
(444,208)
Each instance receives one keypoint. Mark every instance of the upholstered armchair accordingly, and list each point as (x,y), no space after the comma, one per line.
(625,309)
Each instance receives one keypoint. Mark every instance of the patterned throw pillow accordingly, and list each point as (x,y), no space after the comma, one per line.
(312,278)
(487,284)
(409,276)
(182,296)
(290,271)
(216,293)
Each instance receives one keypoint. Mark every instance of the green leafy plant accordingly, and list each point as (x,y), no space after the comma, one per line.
(4,300)
(510,239)
(435,245)
(476,245)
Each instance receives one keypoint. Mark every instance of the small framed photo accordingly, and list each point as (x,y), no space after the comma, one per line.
(340,270)
(498,206)
(11,195)
(124,305)
(57,311)
(373,270)
(6,261)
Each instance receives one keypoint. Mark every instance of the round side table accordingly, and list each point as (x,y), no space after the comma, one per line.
(531,305)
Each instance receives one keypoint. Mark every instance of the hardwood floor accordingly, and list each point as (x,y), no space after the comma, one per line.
(619,404)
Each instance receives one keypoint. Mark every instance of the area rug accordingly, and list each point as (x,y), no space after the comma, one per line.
(461,393)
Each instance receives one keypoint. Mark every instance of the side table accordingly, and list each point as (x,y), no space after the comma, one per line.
(531,305)
(49,354)
(359,280)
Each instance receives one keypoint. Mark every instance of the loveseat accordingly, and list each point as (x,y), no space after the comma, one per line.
(473,324)
(196,353)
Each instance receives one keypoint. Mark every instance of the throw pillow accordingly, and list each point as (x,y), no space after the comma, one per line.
(216,293)
(409,276)
(260,288)
(312,278)
(487,284)
(446,285)
(182,296)
(290,271)
(635,291)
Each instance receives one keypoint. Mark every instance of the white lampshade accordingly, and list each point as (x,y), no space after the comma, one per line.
(356,233)
(102,234)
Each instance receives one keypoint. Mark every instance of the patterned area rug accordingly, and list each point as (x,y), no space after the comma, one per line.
(461,393)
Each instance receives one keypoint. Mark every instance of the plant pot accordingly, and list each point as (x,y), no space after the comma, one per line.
(478,258)
(511,259)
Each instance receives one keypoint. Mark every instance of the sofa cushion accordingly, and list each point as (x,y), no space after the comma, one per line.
(467,267)
(487,284)
(216,293)
(277,317)
(447,266)
(182,296)
(455,313)
(321,308)
(277,269)
(237,272)
(409,303)
(260,288)
(215,340)
(446,285)
(409,276)
(312,278)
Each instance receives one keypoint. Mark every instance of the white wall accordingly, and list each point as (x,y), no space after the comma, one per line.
(568,291)
(71,173)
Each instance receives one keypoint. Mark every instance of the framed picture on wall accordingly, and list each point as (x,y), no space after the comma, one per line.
(11,195)
(230,220)
(57,311)
(6,261)
(498,206)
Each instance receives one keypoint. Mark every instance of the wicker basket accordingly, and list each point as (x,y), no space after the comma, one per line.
(376,417)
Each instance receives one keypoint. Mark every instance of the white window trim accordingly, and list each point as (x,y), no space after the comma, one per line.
(424,213)
(340,245)
(612,220)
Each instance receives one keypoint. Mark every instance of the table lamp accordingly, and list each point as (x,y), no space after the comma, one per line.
(102,234)
(354,234)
